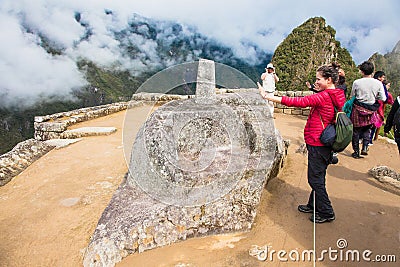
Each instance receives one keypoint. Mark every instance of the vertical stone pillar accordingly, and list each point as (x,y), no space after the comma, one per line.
(205,87)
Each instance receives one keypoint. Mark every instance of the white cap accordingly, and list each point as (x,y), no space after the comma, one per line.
(270,66)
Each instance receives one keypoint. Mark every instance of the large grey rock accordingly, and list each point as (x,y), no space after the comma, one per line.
(196,169)
(386,175)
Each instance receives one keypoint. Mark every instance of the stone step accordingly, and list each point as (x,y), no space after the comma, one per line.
(88,131)
(60,143)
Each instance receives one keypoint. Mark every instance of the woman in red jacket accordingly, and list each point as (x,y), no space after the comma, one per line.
(321,114)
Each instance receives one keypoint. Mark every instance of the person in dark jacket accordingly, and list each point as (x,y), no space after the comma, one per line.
(319,156)
(379,116)
(341,83)
(393,120)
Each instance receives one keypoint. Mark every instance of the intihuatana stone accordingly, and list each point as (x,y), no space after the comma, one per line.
(197,168)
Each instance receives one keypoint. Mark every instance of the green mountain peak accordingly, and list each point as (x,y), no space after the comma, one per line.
(307,47)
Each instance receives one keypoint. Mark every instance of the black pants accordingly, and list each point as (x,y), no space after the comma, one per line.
(318,161)
(361,132)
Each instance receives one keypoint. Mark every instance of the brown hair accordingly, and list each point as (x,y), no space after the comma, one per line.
(330,71)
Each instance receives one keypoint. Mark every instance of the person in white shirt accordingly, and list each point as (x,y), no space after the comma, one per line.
(269,78)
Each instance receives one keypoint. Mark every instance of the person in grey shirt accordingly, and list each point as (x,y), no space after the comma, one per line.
(367,91)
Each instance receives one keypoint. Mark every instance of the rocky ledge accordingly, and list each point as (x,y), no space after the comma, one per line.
(20,157)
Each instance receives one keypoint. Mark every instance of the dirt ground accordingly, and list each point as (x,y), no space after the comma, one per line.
(48,212)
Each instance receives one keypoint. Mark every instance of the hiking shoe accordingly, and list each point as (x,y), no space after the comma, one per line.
(305,209)
(333,160)
(364,151)
(356,155)
(319,219)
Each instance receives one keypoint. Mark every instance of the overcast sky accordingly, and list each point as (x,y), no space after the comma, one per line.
(363,27)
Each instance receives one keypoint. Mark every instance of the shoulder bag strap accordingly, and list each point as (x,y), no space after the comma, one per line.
(320,118)
(334,109)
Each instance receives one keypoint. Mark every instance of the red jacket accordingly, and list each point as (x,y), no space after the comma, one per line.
(321,108)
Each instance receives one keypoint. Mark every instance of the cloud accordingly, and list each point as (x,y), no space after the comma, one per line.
(363,27)
(28,70)
(267,23)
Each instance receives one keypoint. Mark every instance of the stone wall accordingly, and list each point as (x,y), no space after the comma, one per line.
(53,126)
(279,108)
(20,157)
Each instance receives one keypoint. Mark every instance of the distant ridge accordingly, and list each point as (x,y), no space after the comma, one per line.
(396,49)
(390,64)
